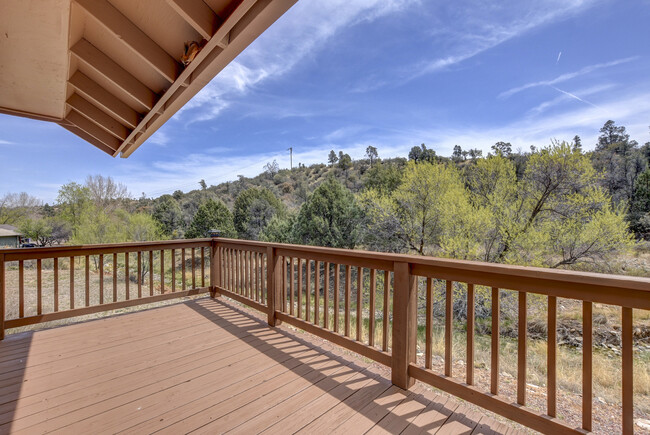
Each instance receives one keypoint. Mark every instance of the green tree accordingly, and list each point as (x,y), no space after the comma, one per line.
(422,154)
(372,154)
(332,159)
(74,202)
(639,216)
(46,231)
(211,215)
(170,216)
(16,206)
(329,217)
(503,149)
(253,210)
(384,177)
(280,229)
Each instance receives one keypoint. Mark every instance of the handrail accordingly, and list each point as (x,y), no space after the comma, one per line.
(333,293)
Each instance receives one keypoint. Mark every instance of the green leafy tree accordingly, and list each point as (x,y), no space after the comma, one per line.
(372,154)
(211,215)
(639,216)
(74,203)
(503,149)
(16,206)
(422,154)
(253,210)
(170,216)
(345,161)
(46,231)
(280,229)
(329,217)
(384,177)
(332,158)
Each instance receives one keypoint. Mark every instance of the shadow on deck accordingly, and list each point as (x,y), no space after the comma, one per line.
(206,366)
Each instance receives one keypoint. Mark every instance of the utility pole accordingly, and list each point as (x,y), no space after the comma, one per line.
(291,158)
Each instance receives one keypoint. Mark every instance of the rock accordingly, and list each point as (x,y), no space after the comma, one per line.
(642,423)
(506,375)
(601,400)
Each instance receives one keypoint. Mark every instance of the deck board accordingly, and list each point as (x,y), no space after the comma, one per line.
(206,366)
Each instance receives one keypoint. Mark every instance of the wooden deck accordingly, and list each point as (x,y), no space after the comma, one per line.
(208,367)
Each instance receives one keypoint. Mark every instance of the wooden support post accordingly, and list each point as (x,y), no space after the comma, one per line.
(627,343)
(2,297)
(215,268)
(273,283)
(404,324)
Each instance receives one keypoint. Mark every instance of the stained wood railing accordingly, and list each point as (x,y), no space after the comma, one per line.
(364,301)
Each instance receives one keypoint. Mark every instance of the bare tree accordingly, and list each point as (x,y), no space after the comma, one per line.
(15,206)
(105,192)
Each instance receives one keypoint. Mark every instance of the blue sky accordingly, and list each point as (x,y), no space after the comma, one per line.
(345,74)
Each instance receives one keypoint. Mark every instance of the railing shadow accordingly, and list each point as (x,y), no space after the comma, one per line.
(14,354)
(342,389)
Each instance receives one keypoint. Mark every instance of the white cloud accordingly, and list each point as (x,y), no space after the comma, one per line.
(6,142)
(564,97)
(566,77)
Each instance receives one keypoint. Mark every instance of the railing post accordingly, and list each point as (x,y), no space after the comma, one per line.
(273,277)
(404,324)
(215,268)
(2,296)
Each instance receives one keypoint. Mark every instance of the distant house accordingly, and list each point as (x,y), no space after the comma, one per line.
(9,237)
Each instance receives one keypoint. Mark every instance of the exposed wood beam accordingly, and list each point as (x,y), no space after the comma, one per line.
(23,114)
(88,138)
(93,129)
(89,54)
(198,15)
(131,35)
(104,99)
(92,112)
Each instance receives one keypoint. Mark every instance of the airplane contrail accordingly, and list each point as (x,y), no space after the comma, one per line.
(558,58)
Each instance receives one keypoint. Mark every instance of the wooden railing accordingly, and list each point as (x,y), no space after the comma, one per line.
(364,301)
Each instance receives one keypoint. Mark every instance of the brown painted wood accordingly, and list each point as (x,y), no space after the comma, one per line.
(348,291)
(587,365)
(39,287)
(256,275)
(101,278)
(139,274)
(173,254)
(193,267)
(359,335)
(127,277)
(551,358)
(386,310)
(87,283)
(56,284)
(326,296)
(317,287)
(2,296)
(449,325)
(522,334)
(470,334)
(243,300)
(308,291)
(428,331)
(627,355)
(71,283)
(372,307)
(299,288)
(284,284)
(202,266)
(21,289)
(162,272)
(337,293)
(292,286)
(183,279)
(115,277)
(151,290)
(273,284)
(404,325)
(495,347)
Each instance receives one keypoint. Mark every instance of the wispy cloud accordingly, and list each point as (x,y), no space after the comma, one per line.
(5,142)
(566,96)
(575,97)
(568,76)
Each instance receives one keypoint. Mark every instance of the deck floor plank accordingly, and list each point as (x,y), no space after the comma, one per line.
(206,366)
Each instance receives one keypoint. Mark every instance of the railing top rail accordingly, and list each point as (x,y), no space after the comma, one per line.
(80,250)
(470,268)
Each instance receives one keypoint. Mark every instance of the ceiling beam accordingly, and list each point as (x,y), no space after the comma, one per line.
(92,112)
(93,129)
(131,35)
(88,138)
(198,15)
(30,115)
(90,55)
(104,99)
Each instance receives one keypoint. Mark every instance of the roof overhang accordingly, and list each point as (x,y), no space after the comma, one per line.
(110,71)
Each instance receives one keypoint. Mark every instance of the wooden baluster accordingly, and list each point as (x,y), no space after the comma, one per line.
(87,270)
(405,312)
(39,286)
(202,266)
(162,272)
(449,324)
(587,366)
(299,287)
(284,284)
(183,280)
(252,274)
(240,277)
(428,341)
(101,280)
(371,317)
(551,356)
(173,270)
(227,268)
(56,285)
(317,292)
(494,365)
(139,274)
(273,280)
(150,273)
(193,268)
(337,290)
(257,275)
(3,299)
(127,291)
(359,303)
(71,283)
(308,291)
(292,288)
(244,267)
(326,296)
(522,332)
(627,352)
(470,334)
(384,345)
(114,277)
(348,290)
(21,289)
